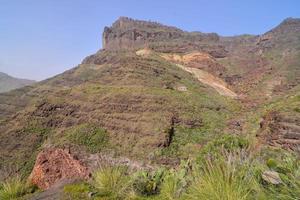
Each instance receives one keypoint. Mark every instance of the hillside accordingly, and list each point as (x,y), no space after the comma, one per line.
(155,96)
(8,83)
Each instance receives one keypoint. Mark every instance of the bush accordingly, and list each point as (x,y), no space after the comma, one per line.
(175,182)
(226,143)
(12,189)
(112,182)
(148,183)
(90,136)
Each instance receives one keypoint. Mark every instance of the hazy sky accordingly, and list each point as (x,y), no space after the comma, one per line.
(41,38)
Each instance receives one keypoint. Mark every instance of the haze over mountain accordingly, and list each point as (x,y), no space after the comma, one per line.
(8,83)
(155,96)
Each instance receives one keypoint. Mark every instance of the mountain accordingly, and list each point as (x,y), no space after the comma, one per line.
(153,96)
(8,83)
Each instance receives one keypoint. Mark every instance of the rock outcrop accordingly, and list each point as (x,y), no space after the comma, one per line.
(53,165)
(281,131)
(127,33)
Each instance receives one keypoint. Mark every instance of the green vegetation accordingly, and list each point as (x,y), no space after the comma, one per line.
(229,179)
(217,147)
(87,136)
(93,138)
(238,176)
(111,182)
(76,191)
(15,188)
(147,184)
(231,172)
(132,106)
(288,166)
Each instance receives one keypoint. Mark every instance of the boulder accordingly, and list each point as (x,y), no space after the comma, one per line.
(53,165)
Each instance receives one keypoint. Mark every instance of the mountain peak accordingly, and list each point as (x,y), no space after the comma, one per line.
(127,33)
(129,23)
(288,25)
(291,21)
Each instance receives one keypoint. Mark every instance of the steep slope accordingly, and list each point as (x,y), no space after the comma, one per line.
(137,101)
(8,83)
(153,94)
(264,66)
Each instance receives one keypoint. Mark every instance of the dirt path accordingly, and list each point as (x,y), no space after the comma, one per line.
(204,77)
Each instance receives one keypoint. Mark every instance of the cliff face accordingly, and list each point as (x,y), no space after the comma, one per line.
(129,33)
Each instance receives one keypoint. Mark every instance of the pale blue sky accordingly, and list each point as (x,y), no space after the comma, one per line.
(41,38)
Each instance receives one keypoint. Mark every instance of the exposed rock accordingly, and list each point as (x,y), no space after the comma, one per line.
(280,130)
(53,165)
(199,60)
(271,177)
(182,88)
(127,33)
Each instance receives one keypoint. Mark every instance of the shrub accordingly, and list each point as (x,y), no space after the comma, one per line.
(92,137)
(175,182)
(111,182)
(226,143)
(148,183)
(12,189)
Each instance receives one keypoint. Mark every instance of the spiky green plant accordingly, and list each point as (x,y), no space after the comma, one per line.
(111,182)
(175,182)
(148,183)
(12,189)
(227,179)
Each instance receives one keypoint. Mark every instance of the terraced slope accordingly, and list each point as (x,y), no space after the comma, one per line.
(135,99)
(158,94)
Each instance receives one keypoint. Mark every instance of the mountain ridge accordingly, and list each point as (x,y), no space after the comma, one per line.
(8,83)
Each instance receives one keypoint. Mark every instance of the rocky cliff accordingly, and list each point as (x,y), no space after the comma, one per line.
(128,33)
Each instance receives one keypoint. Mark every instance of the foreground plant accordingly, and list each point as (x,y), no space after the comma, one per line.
(148,183)
(12,189)
(111,182)
(287,165)
(230,178)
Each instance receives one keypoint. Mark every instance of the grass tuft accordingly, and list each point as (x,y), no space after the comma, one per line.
(12,189)
(228,179)
(111,182)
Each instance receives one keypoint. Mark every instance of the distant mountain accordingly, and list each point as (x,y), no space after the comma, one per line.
(8,83)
